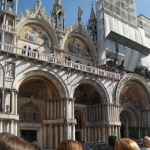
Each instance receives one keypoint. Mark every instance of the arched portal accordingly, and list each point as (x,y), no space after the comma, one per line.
(34,94)
(128,121)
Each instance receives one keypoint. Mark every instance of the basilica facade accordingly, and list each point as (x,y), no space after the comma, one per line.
(80,83)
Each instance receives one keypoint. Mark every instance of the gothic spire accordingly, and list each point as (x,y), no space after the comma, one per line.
(57,3)
(92,15)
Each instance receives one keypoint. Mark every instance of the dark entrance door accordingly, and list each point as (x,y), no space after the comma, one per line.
(122,131)
(78,136)
(29,135)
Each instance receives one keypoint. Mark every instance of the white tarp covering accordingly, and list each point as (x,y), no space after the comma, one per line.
(137,35)
(121,53)
(128,54)
(110,45)
(133,61)
(143,61)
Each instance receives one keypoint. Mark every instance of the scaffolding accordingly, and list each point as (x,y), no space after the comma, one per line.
(123,10)
(144,23)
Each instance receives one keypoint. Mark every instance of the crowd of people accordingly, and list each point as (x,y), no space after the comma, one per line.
(12,142)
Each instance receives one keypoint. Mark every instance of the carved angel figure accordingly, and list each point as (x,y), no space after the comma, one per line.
(27,13)
(21,15)
(35,9)
(80,12)
(39,3)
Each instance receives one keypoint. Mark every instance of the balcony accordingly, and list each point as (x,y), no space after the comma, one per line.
(55,61)
(8,28)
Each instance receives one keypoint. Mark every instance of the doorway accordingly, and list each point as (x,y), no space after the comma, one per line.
(77,136)
(29,135)
(122,131)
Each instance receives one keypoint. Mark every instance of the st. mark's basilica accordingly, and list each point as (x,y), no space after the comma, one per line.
(78,82)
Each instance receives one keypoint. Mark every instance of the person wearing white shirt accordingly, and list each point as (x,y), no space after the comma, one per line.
(146,143)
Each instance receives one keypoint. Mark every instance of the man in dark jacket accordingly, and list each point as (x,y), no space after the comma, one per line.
(112,139)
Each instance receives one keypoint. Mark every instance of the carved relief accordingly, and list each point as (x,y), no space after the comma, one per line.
(10,70)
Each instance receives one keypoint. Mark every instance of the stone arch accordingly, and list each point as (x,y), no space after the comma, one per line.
(82,111)
(132,78)
(93,82)
(85,40)
(130,113)
(47,27)
(51,76)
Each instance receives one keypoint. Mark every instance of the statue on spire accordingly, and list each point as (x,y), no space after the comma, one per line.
(39,3)
(80,12)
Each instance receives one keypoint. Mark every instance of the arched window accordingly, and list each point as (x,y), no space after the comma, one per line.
(30,113)
(78,117)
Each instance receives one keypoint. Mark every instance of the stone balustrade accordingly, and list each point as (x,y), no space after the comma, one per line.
(11,49)
(8,28)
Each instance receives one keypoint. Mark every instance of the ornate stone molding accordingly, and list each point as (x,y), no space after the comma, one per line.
(131,77)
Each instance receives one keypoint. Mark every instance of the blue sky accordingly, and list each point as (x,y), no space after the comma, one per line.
(71,7)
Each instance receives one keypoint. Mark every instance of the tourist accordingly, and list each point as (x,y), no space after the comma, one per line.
(146,143)
(88,64)
(51,54)
(24,52)
(69,145)
(34,144)
(29,53)
(69,58)
(126,144)
(12,142)
(112,139)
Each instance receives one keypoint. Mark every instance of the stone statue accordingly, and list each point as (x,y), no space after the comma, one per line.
(70,28)
(27,13)
(39,3)
(21,15)
(31,12)
(43,10)
(35,9)
(9,6)
(49,19)
(46,16)
(80,12)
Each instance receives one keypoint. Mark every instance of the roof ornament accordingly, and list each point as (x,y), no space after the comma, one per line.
(39,4)
(80,12)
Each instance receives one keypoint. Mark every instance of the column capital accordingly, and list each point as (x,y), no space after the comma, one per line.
(44,125)
(61,124)
(50,125)
(17,91)
(11,121)
(2,89)
(56,125)
(12,90)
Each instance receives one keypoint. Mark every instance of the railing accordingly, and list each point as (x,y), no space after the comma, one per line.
(8,27)
(55,60)
(99,145)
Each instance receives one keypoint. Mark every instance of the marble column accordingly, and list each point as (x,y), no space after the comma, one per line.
(92,137)
(2,101)
(95,129)
(116,131)
(61,132)
(47,102)
(16,102)
(109,131)
(73,132)
(51,109)
(16,128)
(85,133)
(11,127)
(50,137)
(61,108)
(67,131)
(44,136)
(67,108)
(12,102)
(1,125)
(112,132)
(139,133)
(58,109)
(119,137)
(2,40)
(99,133)
(73,108)
(89,135)
(55,110)
(100,113)
(4,18)
(55,135)
(103,133)
(16,2)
